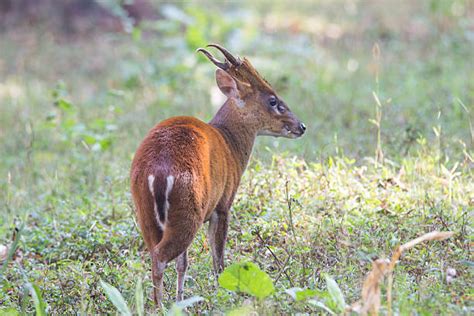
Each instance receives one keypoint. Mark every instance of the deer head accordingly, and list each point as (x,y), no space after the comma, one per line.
(255,100)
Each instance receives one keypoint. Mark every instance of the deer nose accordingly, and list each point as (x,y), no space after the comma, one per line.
(302,127)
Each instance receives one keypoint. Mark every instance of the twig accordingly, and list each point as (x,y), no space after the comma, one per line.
(279,263)
(288,201)
(283,270)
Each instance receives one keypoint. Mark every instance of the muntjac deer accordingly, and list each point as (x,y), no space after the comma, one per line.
(186,172)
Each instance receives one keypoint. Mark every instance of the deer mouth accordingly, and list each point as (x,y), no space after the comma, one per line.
(289,133)
(285,132)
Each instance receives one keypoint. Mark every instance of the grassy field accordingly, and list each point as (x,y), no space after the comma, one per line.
(369,79)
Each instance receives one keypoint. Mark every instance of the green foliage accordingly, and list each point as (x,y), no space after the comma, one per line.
(330,300)
(247,277)
(40,304)
(177,309)
(245,310)
(202,26)
(96,135)
(9,312)
(322,306)
(337,298)
(116,298)
(139,300)
(299,294)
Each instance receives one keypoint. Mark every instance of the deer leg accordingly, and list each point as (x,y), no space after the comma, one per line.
(217,235)
(175,242)
(157,270)
(181,267)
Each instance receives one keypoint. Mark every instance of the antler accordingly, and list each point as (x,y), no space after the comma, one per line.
(234,61)
(223,65)
(228,57)
(239,69)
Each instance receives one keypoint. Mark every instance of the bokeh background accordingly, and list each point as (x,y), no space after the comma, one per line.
(325,58)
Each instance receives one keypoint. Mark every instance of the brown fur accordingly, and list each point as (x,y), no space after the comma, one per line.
(195,148)
(247,73)
(207,162)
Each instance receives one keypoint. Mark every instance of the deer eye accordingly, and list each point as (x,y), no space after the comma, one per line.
(273,101)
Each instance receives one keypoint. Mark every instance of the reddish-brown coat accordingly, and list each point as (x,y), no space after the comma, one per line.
(196,168)
(199,158)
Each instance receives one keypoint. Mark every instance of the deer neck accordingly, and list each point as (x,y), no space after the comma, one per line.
(237,132)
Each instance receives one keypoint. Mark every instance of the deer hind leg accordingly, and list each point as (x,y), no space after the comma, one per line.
(217,235)
(175,242)
(152,234)
(157,271)
(181,267)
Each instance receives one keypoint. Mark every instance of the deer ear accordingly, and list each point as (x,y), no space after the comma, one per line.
(226,84)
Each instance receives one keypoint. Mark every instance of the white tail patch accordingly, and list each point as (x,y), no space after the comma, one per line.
(151,180)
(169,187)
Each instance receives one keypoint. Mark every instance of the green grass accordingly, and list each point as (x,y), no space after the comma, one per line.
(74,110)
(343,217)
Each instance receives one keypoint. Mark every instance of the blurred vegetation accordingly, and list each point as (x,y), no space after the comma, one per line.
(386,89)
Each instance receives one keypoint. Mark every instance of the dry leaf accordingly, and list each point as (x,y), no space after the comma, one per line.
(371,294)
(426,237)
(371,289)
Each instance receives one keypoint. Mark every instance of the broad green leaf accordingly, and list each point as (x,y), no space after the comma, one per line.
(116,298)
(335,292)
(178,307)
(292,291)
(189,301)
(321,305)
(304,294)
(299,294)
(248,278)
(139,302)
(40,305)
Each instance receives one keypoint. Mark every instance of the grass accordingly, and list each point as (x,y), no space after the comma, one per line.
(74,110)
(343,217)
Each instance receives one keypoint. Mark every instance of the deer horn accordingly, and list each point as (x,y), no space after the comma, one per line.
(234,61)
(223,65)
